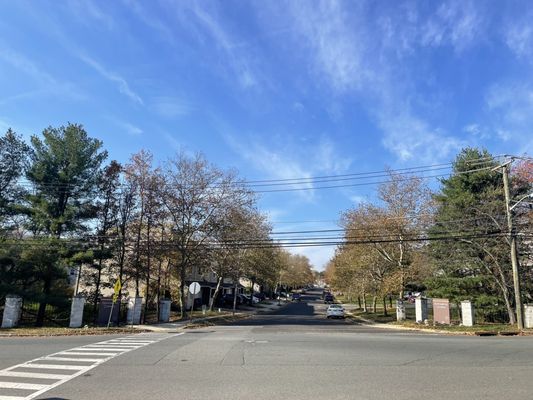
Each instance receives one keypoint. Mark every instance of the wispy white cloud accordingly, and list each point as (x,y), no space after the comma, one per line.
(145,16)
(518,35)
(46,82)
(327,157)
(412,139)
(511,113)
(131,129)
(205,19)
(171,107)
(338,48)
(458,23)
(83,9)
(283,159)
(121,83)
(24,64)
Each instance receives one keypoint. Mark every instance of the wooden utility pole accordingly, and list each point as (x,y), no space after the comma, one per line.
(512,237)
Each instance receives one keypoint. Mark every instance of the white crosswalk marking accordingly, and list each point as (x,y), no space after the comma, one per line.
(103,351)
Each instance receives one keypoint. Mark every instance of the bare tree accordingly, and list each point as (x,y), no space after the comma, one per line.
(195,193)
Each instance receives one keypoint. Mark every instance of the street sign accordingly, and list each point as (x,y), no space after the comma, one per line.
(194,288)
(116,288)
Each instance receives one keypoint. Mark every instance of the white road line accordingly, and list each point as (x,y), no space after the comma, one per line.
(114,345)
(53,366)
(83,353)
(19,385)
(130,342)
(105,349)
(34,375)
(92,360)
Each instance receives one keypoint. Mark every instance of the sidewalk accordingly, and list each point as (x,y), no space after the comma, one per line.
(243,312)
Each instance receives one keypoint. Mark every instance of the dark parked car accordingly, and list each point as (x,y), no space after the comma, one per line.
(260,296)
(328,298)
(296,297)
(226,300)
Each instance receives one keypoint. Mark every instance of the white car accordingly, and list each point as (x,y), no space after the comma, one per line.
(335,311)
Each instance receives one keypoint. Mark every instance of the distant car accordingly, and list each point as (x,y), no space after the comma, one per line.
(296,297)
(328,298)
(335,311)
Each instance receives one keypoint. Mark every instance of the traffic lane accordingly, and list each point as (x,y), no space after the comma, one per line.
(239,362)
(16,350)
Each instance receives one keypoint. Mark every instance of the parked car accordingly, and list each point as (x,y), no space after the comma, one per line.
(335,311)
(328,298)
(261,296)
(226,300)
(296,297)
(247,298)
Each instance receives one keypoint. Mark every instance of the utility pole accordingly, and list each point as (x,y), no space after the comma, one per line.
(512,237)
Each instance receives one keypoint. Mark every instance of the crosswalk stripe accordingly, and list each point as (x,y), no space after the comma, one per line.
(82,353)
(104,350)
(54,366)
(35,375)
(54,358)
(19,385)
(114,345)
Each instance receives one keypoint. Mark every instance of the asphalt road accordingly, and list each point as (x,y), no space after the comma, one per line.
(294,353)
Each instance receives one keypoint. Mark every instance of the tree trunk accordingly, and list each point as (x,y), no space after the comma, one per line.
(374,303)
(385,306)
(182,290)
(97,290)
(43,303)
(359,302)
(365,308)
(148,268)
(234,299)
(252,293)
(215,295)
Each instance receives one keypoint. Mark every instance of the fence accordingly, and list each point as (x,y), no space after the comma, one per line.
(483,315)
(54,315)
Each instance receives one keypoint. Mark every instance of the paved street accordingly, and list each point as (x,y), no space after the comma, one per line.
(295,353)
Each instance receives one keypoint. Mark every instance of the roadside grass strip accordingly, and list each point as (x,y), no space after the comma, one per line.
(31,379)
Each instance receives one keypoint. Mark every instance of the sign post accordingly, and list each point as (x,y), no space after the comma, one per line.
(194,288)
(116,289)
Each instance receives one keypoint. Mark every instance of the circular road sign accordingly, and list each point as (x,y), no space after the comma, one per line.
(194,288)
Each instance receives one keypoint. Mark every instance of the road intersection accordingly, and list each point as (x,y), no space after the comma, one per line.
(294,353)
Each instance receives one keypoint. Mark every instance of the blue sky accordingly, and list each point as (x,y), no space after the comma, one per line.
(276,89)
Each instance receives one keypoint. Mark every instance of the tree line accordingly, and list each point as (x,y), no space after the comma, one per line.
(65,207)
(452,243)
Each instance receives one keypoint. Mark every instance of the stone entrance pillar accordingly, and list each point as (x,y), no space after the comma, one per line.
(400,310)
(421,309)
(134,310)
(12,311)
(164,310)
(467,312)
(76,312)
(528,316)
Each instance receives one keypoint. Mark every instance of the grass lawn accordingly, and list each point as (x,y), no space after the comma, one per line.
(49,331)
